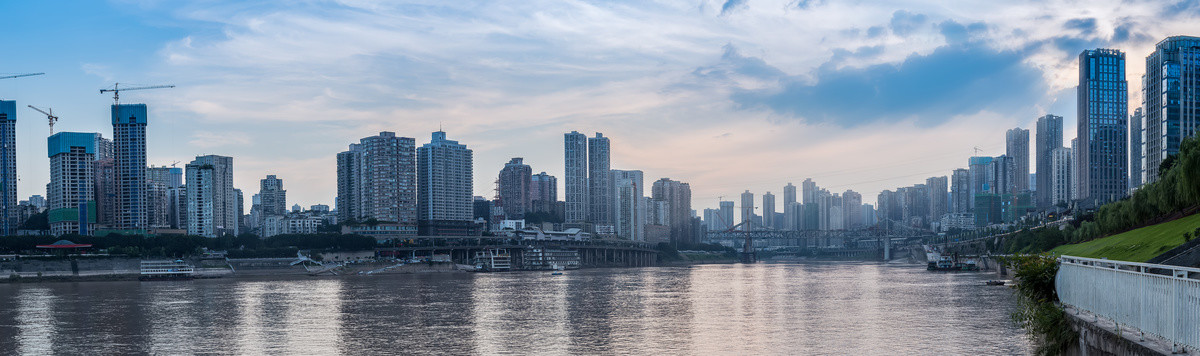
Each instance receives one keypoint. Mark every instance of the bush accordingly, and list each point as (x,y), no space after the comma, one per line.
(1038,311)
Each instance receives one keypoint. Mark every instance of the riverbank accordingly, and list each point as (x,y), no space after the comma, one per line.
(124,269)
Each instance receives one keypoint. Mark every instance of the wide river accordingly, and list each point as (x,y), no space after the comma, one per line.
(789,309)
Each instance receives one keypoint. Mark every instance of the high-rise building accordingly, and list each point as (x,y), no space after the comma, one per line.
(105,183)
(1168,95)
(937,187)
(272,198)
(747,211)
(812,212)
(1017,147)
(809,191)
(852,210)
(628,216)
(789,197)
(599,183)
(1000,175)
(768,211)
(513,189)
(825,204)
(129,147)
(1049,137)
(211,199)
(793,216)
(888,210)
(1137,152)
(576,174)
(678,198)
(1074,168)
(960,191)
(1103,153)
(1060,175)
(377,179)
(8,168)
(981,177)
(725,216)
(72,171)
(543,191)
(160,208)
(445,185)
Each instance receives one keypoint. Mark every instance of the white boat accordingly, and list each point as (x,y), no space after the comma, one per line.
(166,270)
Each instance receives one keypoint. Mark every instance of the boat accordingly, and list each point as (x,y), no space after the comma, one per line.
(558,270)
(995,282)
(166,271)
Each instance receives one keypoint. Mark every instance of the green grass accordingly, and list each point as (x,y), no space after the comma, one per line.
(1137,245)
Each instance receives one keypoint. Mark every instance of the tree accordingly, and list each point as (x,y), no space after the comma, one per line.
(39,221)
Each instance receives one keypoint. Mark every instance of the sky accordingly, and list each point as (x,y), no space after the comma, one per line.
(728,95)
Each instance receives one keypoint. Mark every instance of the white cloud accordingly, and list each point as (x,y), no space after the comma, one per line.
(508,79)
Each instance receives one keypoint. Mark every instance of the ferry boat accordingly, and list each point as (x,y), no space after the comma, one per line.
(493,259)
(166,270)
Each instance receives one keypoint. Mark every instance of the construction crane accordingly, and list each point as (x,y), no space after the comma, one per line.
(20,75)
(49,112)
(117,89)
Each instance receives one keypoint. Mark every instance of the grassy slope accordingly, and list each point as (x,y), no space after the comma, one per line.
(1137,245)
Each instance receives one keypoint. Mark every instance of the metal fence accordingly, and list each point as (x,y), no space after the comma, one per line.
(1160,300)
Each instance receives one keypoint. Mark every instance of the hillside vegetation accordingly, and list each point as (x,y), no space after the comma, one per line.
(1137,245)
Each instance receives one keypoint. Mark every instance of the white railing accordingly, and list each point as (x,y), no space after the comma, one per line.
(1160,300)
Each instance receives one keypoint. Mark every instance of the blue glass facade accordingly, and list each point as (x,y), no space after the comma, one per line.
(129,147)
(63,141)
(1103,114)
(1172,107)
(8,167)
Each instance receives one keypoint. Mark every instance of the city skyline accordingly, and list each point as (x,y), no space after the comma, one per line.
(742,80)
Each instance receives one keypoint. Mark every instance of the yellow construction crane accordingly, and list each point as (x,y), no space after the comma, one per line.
(49,112)
(117,89)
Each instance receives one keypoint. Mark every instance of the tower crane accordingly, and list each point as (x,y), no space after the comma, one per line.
(49,112)
(117,89)
(20,75)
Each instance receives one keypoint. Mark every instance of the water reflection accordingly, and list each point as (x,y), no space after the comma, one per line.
(810,308)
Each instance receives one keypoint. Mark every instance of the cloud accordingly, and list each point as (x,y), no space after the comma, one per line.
(731,5)
(293,84)
(876,31)
(1085,26)
(928,89)
(904,22)
(211,139)
(955,33)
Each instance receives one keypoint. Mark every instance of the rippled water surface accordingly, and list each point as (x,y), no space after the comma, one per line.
(794,309)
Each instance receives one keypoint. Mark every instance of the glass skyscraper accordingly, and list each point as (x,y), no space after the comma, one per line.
(1049,137)
(8,168)
(129,145)
(1103,154)
(1172,107)
(575,153)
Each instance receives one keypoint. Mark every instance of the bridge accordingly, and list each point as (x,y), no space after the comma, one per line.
(864,243)
(1123,305)
(991,243)
(592,252)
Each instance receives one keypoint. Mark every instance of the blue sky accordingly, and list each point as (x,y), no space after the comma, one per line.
(726,95)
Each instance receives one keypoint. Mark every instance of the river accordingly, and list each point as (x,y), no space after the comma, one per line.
(810,308)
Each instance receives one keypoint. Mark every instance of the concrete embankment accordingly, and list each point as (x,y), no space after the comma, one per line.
(1098,336)
(118,268)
